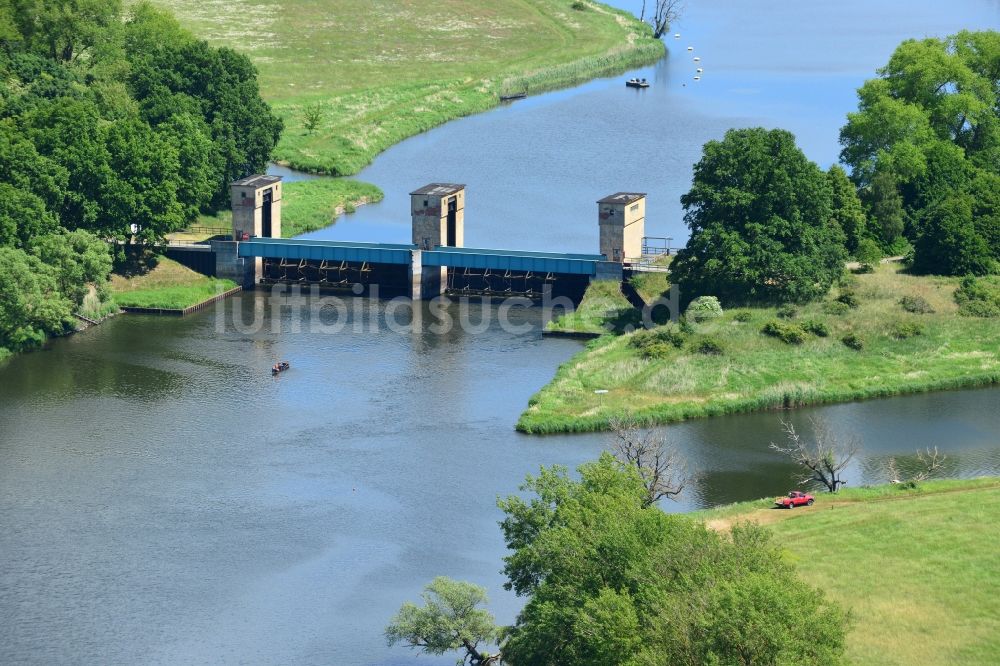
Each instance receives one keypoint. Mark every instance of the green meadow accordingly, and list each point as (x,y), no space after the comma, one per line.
(917,567)
(728,365)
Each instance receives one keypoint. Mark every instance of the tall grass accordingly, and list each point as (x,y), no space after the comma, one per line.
(757,372)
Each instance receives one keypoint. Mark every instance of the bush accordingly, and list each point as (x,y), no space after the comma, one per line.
(817,328)
(788,312)
(916,305)
(743,316)
(902,330)
(978,297)
(687,328)
(708,346)
(853,341)
(578,6)
(868,254)
(788,333)
(836,308)
(704,308)
(658,342)
(848,298)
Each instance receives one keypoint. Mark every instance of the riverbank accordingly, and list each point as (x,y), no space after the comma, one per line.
(351,84)
(916,566)
(727,365)
(165,285)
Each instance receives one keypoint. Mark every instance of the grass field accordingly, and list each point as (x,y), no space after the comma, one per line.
(168,284)
(603,309)
(383,70)
(918,568)
(755,371)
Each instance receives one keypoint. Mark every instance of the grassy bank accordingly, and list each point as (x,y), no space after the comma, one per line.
(379,72)
(165,284)
(917,567)
(603,309)
(901,352)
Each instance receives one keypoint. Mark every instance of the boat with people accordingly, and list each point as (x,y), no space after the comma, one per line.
(637,83)
(280,367)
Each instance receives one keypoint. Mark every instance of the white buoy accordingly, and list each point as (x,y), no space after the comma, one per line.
(697,78)
(697,59)
(690,48)
(699,70)
(677,35)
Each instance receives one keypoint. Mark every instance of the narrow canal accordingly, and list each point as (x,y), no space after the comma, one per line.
(164,500)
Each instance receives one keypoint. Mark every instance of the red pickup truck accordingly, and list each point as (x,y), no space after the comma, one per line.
(794,499)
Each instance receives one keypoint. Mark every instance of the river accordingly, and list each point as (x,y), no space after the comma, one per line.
(164,500)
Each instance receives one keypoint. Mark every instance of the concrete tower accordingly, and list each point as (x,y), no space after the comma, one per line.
(256,207)
(438,213)
(622,221)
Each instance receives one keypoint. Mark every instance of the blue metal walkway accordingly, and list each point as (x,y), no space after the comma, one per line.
(290,248)
(452,257)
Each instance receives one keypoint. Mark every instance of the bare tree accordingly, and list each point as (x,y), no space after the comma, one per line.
(665,12)
(662,468)
(823,458)
(929,463)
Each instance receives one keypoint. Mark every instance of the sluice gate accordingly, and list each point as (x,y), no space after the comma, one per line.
(435,263)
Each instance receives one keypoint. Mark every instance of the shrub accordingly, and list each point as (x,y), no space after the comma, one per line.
(836,308)
(578,6)
(709,346)
(743,316)
(704,308)
(902,330)
(853,341)
(848,298)
(788,312)
(658,342)
(817,328)
(916,305)
(687,328)
(978,298)
(868,254)
(788,333)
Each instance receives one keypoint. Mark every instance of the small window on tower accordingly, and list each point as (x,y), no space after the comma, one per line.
(635,207)
(243,195)
(426,203)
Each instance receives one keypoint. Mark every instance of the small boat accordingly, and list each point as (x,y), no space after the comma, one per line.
(677,35)
(513,96)
(697,78)
(699,70)
(280,367)
(697,59)
(637,83)
(690,48)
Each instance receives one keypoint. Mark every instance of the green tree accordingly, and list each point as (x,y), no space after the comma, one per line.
(868,254)
(760,216)
(948,242)
(76,259)
(22,216)
(31,306)
(886,209)
(450,619)
(847,210)
(613,580)
(65,29)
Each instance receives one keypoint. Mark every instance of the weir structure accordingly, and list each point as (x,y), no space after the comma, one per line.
(434,263)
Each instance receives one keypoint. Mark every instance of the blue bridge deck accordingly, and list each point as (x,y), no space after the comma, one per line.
(451,257)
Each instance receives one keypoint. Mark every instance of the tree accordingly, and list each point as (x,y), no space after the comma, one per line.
(824,458)
(76,259)
(927,131)
(665,13)
(450,619)
(31,306)
(660,465)
(312,114)
(65,29)
(868,254)
(614,580)
(948,242)
(760,216)
(847,211)
(886,209)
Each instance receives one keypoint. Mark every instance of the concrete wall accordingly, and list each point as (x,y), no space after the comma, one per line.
(622,228)
(248,203)
(429,214)
(229,265)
